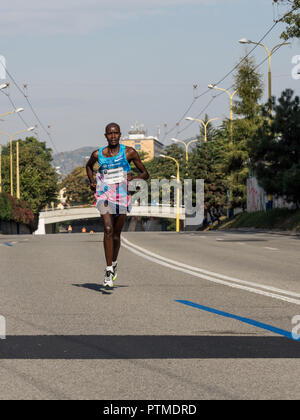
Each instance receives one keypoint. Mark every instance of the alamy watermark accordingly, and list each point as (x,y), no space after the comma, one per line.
(2,327)
(296,68)
(187,199)
(2,68)
(296,329)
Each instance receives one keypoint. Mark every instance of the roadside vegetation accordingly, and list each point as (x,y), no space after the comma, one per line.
(276,219)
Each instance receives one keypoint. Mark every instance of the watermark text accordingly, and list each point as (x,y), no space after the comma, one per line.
(2,68)
(296,68)
(296,329)
(2,327)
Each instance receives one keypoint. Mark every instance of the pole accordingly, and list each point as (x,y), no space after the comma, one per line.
(270,89)
(231,119)
(18,172)
(205,125)
(178,192)
(270,53)
(231,110)
(178,196)
(11,137)
(11,168)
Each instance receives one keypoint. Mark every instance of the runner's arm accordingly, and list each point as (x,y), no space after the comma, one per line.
(133,156)
(89,169)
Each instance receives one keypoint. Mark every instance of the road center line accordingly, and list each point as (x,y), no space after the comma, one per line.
(210,276)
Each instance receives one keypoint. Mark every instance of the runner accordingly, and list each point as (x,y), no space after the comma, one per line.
(111,187)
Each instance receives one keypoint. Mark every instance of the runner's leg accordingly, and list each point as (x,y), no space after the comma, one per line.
(117,229)
(108,237)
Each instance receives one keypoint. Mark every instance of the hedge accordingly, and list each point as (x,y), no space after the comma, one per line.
(12,209)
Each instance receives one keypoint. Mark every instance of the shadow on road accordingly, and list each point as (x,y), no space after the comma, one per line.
(98,287)
(245,240)
(147,347)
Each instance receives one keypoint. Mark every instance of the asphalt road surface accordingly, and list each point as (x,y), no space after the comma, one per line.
(193,316)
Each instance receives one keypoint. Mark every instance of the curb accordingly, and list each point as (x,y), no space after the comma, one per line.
(254,230)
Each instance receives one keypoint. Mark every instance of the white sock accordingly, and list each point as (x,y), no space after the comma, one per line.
(109,268)
(114,263)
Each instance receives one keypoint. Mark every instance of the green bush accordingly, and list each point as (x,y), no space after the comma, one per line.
(15,210)
(281,219)
(5,207)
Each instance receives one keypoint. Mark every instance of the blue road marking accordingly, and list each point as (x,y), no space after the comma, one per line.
(7,244)
(267,327)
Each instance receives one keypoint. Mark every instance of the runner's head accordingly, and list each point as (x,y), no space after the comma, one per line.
(113,134)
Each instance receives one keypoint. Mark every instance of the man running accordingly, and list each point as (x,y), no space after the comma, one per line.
(113,198)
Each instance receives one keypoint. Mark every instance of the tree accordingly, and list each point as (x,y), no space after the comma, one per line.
(204,163)
(275,150)
(38,179)
(77,187)
(162,168)
(292,19)
(235,159)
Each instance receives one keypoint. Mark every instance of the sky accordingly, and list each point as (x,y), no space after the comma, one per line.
(88,63)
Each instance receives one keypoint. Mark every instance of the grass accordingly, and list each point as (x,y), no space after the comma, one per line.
(277,219)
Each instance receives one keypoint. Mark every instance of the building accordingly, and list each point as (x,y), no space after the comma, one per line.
(138,139)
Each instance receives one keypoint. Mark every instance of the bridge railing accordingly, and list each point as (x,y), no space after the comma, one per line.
(85,206)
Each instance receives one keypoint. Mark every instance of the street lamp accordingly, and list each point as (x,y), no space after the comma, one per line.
(4,85)
(186,146)
(212,86)
(178,194)
(270,53)
(203,123)
(15,111)
(11,137)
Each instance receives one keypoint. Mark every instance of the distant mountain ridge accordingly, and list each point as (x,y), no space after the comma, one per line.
(65,162)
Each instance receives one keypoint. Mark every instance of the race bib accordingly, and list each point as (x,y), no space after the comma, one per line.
(113,176)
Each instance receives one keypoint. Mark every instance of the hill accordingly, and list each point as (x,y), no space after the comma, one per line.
(65,162)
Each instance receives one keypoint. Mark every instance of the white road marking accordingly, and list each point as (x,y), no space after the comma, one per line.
(211,276)
(272,249)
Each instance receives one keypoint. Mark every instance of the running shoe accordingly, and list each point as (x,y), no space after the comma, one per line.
(108,280)
(115,272)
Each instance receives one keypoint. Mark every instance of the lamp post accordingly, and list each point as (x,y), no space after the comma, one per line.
(212,86)
(178,195)
(270,53)
(203,123)
(15,111)
(11,137)
(18,165)
(186,146)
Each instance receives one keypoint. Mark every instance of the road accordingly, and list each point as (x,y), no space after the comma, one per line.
(67,338)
